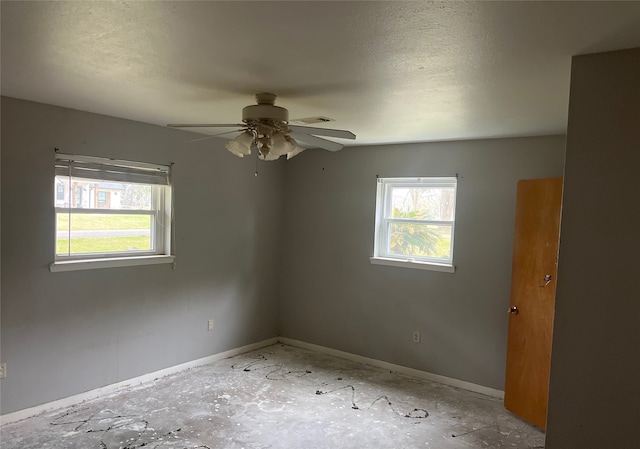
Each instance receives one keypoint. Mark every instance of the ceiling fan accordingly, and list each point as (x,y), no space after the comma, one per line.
(266,128)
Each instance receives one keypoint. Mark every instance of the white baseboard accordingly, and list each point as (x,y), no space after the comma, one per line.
(499,394)
(102,391)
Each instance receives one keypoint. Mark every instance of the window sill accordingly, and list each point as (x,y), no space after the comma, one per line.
(413,264)
(91,264)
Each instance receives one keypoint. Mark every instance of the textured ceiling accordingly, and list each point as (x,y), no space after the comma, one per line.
(388,71)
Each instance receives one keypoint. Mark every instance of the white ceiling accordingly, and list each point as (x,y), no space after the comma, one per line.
(388,71)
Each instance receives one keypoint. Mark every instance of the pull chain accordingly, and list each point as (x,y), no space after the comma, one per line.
(256,172)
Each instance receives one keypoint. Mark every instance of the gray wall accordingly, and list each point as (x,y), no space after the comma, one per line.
(333,296)
(282,253)
(595,367)
(65,333)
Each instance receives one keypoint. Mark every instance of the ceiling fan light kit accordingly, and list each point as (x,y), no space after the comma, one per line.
(266,128)
(297,149)
(241,145)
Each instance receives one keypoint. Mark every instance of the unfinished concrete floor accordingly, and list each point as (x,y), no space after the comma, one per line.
(279,397)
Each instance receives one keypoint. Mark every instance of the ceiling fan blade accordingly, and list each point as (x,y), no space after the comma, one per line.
(318,142)
(322,131)
(205,125)
(215,135)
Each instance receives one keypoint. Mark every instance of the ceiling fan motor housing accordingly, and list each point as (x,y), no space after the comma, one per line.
(265,110)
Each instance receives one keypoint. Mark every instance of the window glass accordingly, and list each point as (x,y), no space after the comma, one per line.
(415,239)
(429,203)
(90,233)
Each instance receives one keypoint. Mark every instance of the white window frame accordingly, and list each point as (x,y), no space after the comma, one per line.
(113,170)
(384,220)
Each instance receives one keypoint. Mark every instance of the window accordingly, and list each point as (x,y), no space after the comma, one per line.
(111,211)
(415,220)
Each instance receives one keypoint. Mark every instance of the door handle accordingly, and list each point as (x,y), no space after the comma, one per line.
(514,310)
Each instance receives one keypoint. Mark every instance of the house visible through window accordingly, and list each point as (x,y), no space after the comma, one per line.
(59,191)
(107,208)
(415,220)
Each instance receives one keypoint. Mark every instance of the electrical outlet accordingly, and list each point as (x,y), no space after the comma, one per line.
(416,337)
(3,370)
(210,325)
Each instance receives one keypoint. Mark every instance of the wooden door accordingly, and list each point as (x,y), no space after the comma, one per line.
(533,292)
